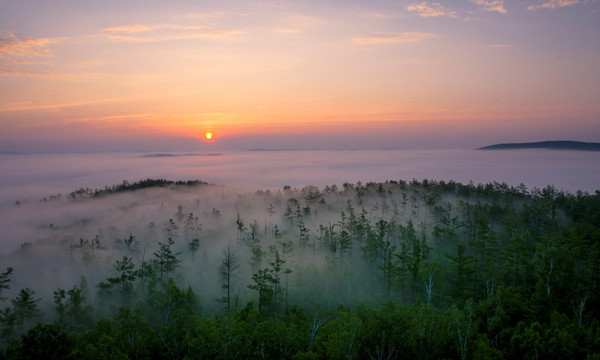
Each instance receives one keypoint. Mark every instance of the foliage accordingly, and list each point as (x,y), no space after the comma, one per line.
(394,270)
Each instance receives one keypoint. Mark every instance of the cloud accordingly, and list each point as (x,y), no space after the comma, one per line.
(299,23)
(286,31)
(304,22)
(145,28)
(166,32)
(28,106)
(21,68)
(492,5)
(204,16)
(128,29)
(376,15)
(553,4)
(17,55)
(393,38)
(434,10)
(11,45)
(501,46)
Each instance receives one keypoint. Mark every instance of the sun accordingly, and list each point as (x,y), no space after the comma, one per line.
(208,136)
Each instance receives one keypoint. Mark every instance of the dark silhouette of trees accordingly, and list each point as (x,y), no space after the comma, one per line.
(4,281)
(230,264)
(165,260)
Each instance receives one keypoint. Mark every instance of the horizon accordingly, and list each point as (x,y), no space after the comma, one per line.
(150,153)
(157,76)
(31,177)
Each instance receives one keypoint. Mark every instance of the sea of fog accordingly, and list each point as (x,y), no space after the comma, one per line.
(30,177)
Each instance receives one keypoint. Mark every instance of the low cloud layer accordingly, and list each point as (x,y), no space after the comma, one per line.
(32,177)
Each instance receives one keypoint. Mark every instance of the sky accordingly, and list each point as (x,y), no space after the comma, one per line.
(104,75)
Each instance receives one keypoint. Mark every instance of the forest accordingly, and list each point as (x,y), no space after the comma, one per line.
(417,269)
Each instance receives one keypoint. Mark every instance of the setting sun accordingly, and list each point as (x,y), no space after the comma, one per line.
(208,136)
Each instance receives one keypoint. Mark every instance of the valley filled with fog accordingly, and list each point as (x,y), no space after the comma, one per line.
(448,261)
(31,177)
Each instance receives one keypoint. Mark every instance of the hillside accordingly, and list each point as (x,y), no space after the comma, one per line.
(402,270)
(552,145)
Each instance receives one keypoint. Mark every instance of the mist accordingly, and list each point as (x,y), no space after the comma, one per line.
(35,176)
(191,250)
(55,231)
(49,243)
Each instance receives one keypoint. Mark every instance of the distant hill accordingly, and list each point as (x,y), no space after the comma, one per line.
(552,145)
(11,153)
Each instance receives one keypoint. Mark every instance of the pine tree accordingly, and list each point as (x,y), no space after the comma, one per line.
(25,306)
(165,260)
(230,263)
(4,280)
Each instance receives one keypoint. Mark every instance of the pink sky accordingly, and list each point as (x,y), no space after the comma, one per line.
(156,75)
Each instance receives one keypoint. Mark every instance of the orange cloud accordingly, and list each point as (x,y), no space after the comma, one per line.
(393,38)
(501,46)
(300,23)
(204,16)
(128,29)
(553,4)
(16,55)
(376,15)
(286,31)
(11,45)
(166,32)
(434,10)
(28,106)
(492,5)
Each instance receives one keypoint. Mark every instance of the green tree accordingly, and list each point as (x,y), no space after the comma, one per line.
(429,273)
(133,335)
(25,306)
(4,280)
(166,298)
(8,320)
(193,246)
(387,333)
(303,236)
(45,341)
(276,271)
(253,243)
(192,226)
(341,336)
(165,259)
(263,285)
(145,273)
(516,251)
(463,320)
(71,309)
(126,270)
(241,228)
(130,242)
(171,228)
(230,263)
(463,264)
(414,251)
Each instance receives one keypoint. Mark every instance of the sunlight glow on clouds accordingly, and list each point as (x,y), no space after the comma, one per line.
(501,46)
(166,32)
(17,54)
(492,5)
(378,15)
(11,45)
(553,4)
(434,10)
(393,38)
(274,68)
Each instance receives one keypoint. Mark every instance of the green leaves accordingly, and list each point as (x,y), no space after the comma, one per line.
(4,280)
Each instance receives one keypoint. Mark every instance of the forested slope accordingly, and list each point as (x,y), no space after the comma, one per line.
(394,270)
